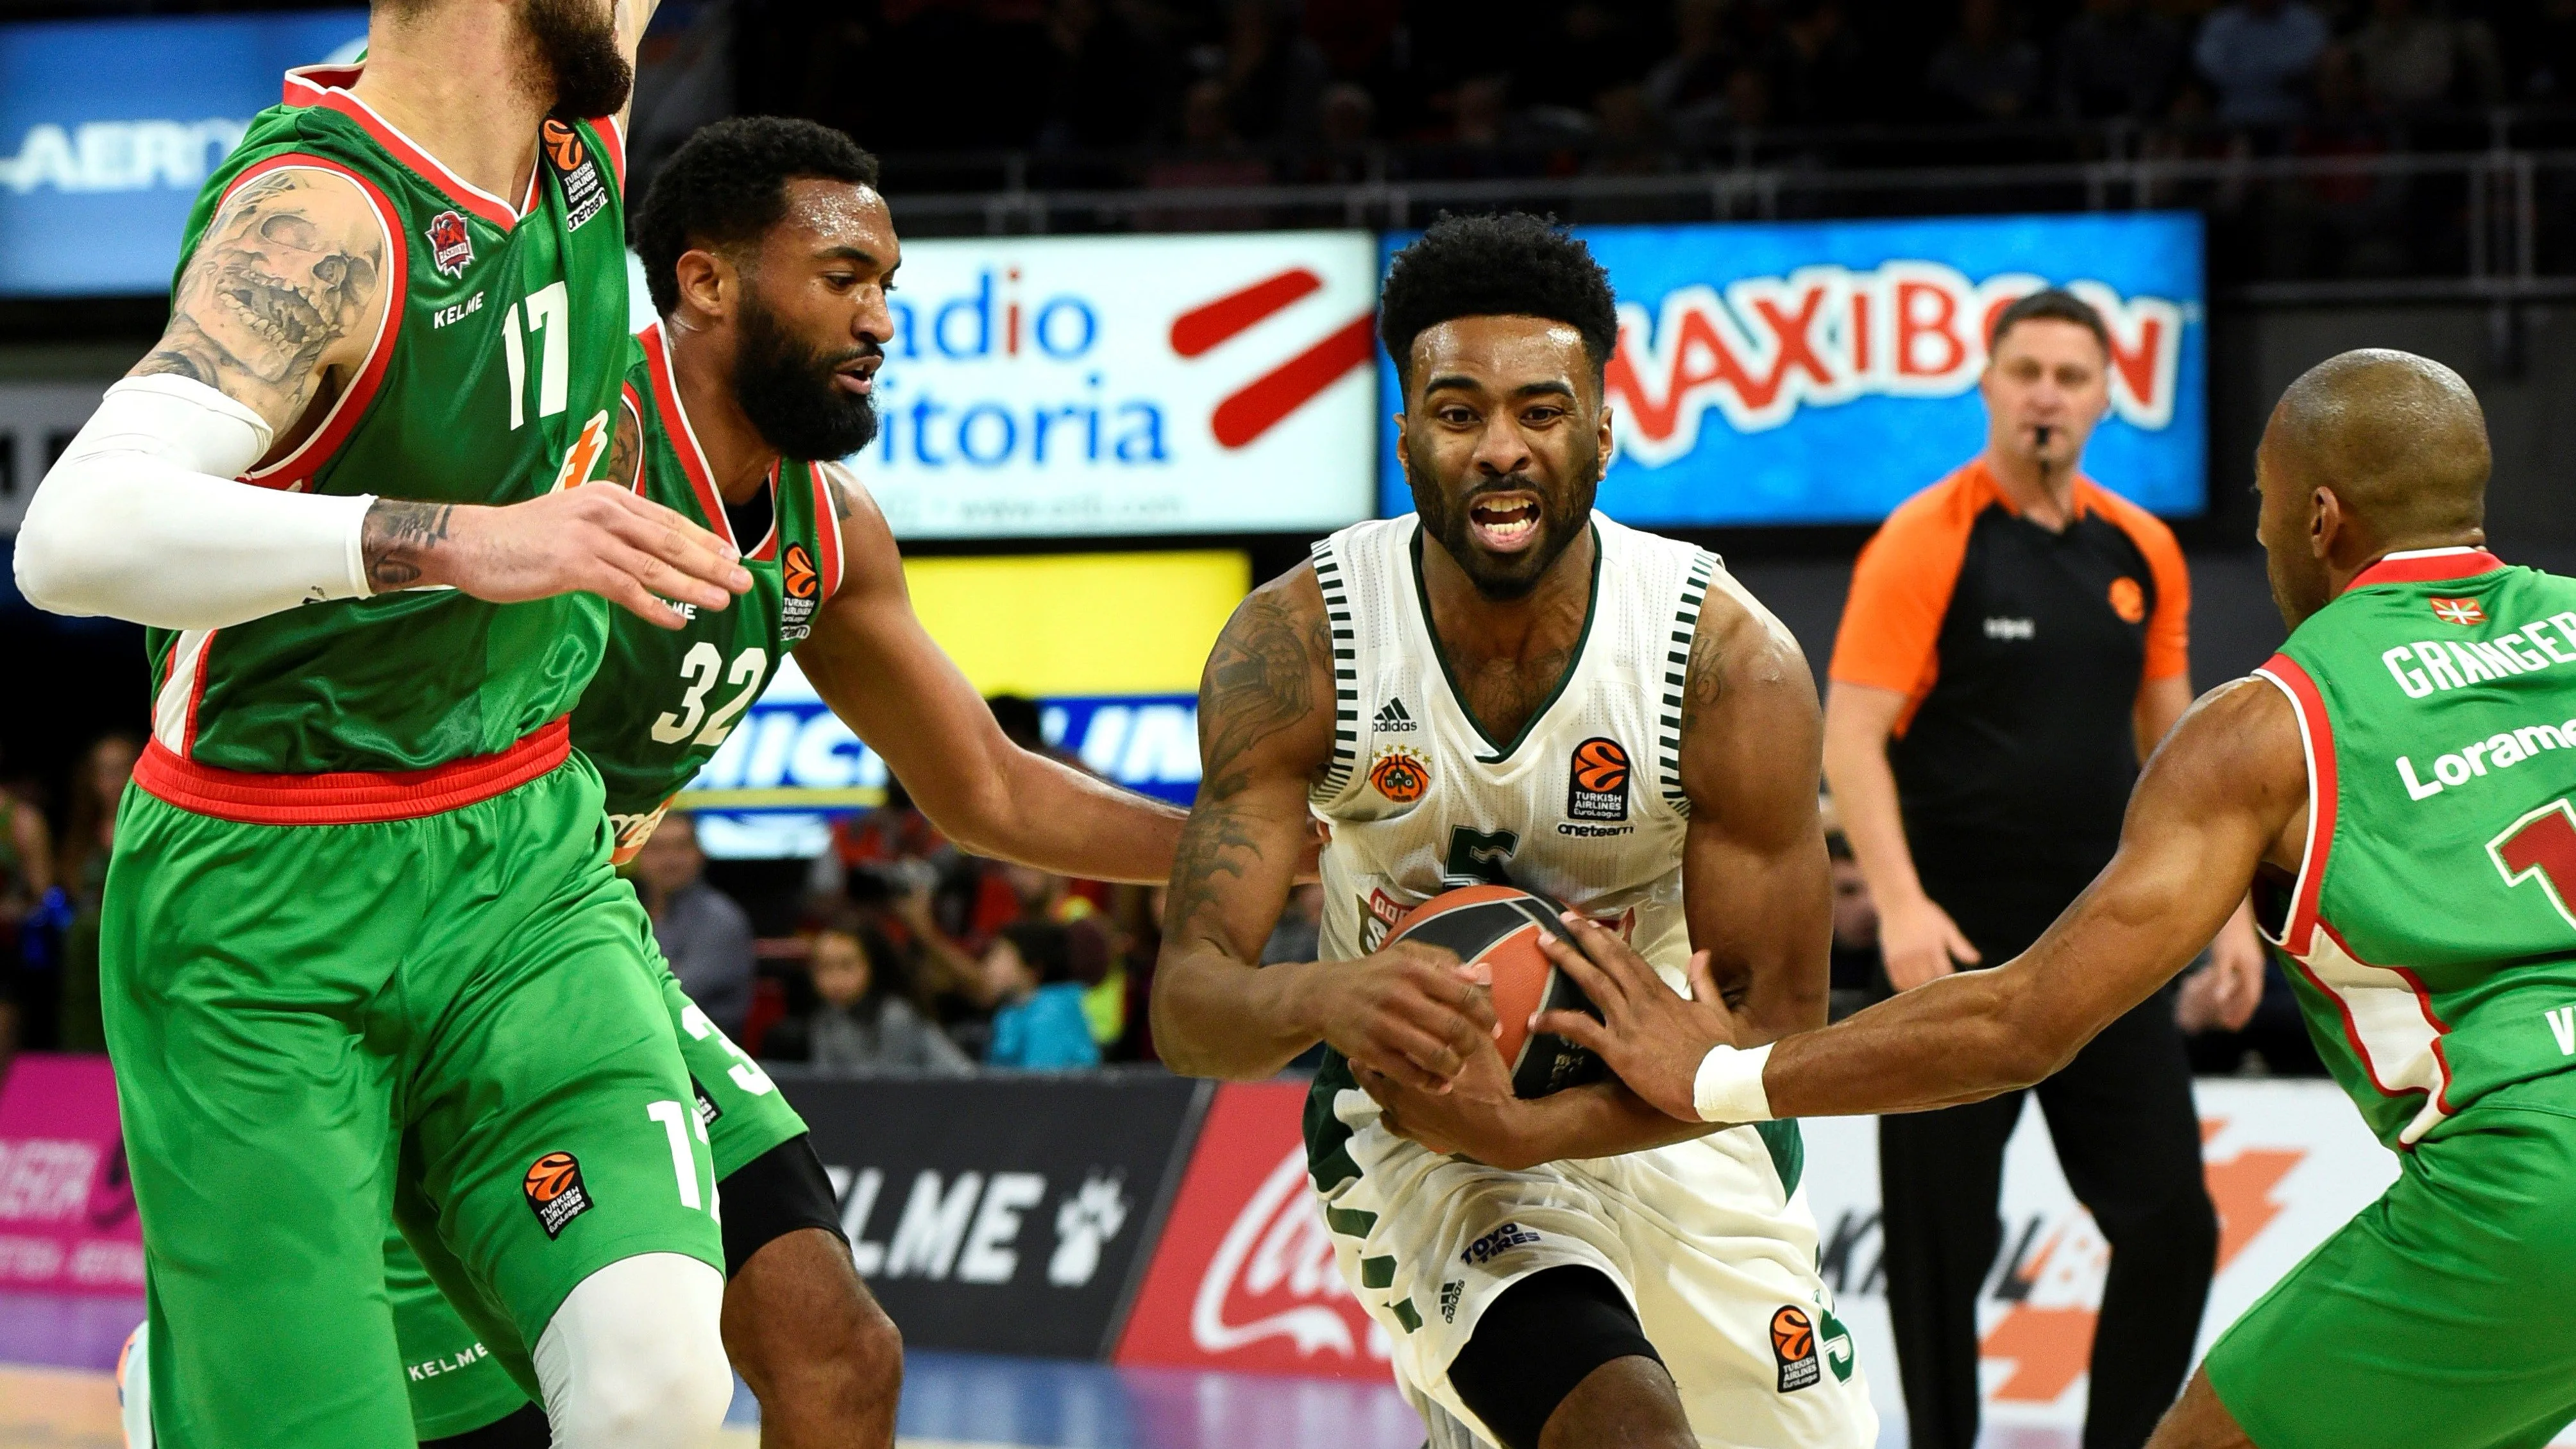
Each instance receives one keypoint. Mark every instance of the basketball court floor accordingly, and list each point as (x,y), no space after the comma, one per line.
(58,1391)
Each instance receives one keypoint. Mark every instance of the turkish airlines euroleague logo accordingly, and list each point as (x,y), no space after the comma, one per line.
(555,1192)
(1253,409)
(1598,785)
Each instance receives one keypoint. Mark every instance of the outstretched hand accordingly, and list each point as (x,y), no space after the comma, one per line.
(1650,1035)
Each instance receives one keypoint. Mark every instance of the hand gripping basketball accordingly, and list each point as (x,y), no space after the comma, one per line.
(1651,1035)
(1410,1011)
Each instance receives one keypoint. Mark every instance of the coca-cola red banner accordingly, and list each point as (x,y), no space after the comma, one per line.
(1243,1277)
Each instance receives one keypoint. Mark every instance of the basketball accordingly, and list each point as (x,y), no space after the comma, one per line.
(1501,926)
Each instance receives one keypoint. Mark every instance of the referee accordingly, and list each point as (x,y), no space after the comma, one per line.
(2015,642)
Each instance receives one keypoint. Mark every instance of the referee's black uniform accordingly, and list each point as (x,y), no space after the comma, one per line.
(2021,654)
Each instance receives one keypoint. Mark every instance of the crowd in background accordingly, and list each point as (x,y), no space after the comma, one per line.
(900,952)
(1276,88)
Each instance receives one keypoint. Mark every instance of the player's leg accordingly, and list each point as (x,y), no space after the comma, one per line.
(554,1133)
(1726,1287)
(1940,1176)
(242,973)
(2434,1316)
(1557,1360)
(2128,1137)
(799,1324)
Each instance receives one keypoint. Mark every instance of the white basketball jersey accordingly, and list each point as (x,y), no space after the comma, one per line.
(1585,804)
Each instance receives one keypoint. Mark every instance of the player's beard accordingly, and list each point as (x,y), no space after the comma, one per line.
(787,391)
(1563,511)
(573,49)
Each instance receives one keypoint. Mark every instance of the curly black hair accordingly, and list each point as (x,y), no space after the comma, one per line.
(727,184)
(1509,264)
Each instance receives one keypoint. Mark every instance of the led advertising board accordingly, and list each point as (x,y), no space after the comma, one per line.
(1110,645)
(1822,372)
(108,127)
(1056,386)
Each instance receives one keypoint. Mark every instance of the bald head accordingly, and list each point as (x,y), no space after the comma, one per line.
(2366,454)
(2400,440)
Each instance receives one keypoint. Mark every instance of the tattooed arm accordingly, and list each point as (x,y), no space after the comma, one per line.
(141,518)
(1265,732)
(282,299)
(887,679)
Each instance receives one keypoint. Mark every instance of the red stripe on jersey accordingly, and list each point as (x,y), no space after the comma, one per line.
(827,529)
(2428,568)
(2318,737)
(296,469)
(684,439)
(349,797)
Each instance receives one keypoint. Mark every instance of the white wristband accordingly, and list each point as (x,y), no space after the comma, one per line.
(1729,1086)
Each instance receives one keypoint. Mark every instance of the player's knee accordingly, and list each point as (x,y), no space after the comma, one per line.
(635,1358)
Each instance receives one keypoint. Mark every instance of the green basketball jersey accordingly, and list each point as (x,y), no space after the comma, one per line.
(2432,928)
(491,381)
(666,699)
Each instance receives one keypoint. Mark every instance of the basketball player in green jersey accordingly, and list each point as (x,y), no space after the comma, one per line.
(363,951)
(2396,784)
(769,252)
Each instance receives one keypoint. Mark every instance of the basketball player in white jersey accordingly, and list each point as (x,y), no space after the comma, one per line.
(1509,687)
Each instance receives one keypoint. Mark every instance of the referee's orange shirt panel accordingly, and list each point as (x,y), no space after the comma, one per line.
(2020,651)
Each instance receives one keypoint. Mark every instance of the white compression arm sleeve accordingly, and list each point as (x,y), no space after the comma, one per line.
(143,519)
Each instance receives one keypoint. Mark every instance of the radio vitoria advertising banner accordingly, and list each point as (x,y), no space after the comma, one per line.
(1821,372)
(1127,385)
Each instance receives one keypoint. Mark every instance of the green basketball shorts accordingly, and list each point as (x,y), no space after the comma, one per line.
(456,1382)
(447,1019)
(2435,1316)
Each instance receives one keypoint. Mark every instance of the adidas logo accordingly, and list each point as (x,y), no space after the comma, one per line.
(1393,718)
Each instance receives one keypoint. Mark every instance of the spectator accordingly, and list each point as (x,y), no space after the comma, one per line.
(1272,75)
(1688,87)
(2544,45)
(1112,80)
(1211,155)
(1039,1022)
(2117,59)
(68,1017)
(703,934)
(2260,53)
(26,880)
(1984,72)
(860,1021)
(2413,61)
(1815,74)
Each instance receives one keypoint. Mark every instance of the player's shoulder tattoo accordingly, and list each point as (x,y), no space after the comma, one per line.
(1261,675)
(290,266)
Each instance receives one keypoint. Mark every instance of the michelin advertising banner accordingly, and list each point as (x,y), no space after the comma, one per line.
(1820,372)
(107,129)
(1109,646)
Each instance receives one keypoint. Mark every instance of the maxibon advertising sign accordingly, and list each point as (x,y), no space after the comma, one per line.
(1821,372)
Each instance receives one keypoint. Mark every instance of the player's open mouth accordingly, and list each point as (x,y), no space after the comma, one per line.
(1504,522)
(857,376)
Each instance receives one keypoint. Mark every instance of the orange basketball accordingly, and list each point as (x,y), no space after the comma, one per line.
(1601,766)
(797,571)
(1792,1336)
(550,1175)
(1502,926)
